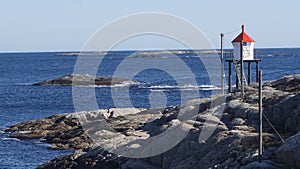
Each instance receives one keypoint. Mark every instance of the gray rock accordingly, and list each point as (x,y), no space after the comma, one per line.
(243,128)
(243,110)
(286,115)
(263,165)
(138,163)
(237,122)
(287,84)
(289,152)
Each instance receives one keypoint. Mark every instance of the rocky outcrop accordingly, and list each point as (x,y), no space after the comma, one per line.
(289,153)
(86,80)
(218,132)
(287,84)
(61,131)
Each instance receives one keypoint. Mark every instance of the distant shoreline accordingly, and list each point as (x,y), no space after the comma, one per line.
(134,50)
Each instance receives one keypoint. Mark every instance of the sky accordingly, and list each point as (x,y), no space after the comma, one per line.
(66,25)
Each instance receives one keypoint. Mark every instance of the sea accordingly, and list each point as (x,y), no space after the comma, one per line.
(20,100)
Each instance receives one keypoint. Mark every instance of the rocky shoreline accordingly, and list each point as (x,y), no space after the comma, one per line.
(85,80)
(233,144)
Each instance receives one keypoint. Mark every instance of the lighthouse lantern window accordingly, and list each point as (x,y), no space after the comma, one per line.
(246,43)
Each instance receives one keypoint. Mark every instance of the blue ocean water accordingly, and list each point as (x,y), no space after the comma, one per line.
(20,101)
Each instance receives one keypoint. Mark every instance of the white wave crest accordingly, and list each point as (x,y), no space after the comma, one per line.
(23,132)
(9,139)
(184,87)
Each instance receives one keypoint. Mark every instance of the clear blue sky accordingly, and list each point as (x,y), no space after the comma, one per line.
(62,25)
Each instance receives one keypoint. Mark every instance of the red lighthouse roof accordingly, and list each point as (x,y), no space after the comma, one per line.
(243,37)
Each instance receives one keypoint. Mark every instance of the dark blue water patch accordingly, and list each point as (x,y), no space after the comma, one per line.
(16,154)
(276,67)
(198,69)
(33,67)
(109,64)
(104,98)
(26,102)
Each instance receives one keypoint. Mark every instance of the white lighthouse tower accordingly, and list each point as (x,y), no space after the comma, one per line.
(248,46)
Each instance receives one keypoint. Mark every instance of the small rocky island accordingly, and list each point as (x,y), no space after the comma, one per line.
(233,144)
(86,80)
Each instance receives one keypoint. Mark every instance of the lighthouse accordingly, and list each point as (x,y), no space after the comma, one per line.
(243,45)
(248,46)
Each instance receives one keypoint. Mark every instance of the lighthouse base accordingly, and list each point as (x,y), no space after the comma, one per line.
(230,62)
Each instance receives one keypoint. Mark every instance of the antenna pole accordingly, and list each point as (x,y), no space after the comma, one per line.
(242,71)
(260,149)
(222,65)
